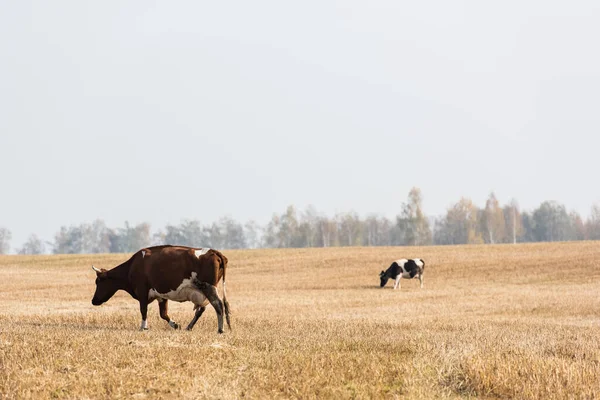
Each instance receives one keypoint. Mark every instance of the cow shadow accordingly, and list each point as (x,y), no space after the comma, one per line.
(387,287)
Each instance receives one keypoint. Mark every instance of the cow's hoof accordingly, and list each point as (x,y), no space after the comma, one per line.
(174,325)
(143,329)
(220,331)
(189,328)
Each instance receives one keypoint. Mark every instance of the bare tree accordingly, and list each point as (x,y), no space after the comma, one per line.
(328,232)
(513,222)
(33,245)
(493,221)
(350,229)
(5,237)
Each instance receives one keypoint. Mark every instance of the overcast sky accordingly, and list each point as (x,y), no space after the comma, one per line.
(160,111)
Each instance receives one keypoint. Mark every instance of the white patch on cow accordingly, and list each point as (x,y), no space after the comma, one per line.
(404,274)
(143,253)
(144,325)
(200,252)
(401,262)
(186,291)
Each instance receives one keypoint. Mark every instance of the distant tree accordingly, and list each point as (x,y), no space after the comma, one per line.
(252,233)
(158,238)
(327,232)
(378,231)
(5,237)
(33,245)
(215,237)
(413,222)
(308,228)
(173,235)
(349,229)
(577,226)
(192,234)
(95,237)
(440,230)
(528,228)
(512,222)
(284,230)
(493,221)
(386,229)
(460,225)
(86,238)
(270,236)
(371,230)
(233,234)
(593,223)
(69,240)
(288,228)
(129,238)
(188,233)
(551,223)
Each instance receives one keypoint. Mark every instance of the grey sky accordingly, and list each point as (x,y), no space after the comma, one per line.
(159,111)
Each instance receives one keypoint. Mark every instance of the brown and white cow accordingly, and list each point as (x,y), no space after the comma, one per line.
(403,268)
(164,273)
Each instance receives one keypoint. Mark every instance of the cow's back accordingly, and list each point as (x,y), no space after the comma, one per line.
(164,268)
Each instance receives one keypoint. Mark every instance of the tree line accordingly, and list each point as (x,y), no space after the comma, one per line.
(463,223)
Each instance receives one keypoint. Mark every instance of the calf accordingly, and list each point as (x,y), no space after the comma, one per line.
(403,268)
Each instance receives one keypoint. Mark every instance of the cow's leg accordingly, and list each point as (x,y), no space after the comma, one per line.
(144,311)
(197,316)
(212,295)
(163,306)
(397,283)
(421,280)
(218,305)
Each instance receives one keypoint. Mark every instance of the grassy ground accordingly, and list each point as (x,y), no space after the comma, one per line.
(492,322)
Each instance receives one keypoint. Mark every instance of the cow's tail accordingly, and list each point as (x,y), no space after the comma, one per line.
(223,264)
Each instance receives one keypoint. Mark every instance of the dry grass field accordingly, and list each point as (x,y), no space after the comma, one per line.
(504,321)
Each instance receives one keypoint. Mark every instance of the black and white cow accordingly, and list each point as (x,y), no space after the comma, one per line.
(403,268)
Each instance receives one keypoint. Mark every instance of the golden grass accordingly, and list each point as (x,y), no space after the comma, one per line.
(492,322)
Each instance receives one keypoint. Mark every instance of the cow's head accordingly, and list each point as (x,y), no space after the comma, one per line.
(383,279)
(105,287)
